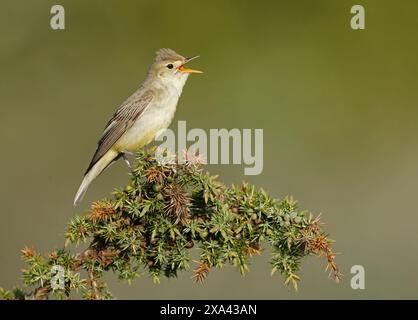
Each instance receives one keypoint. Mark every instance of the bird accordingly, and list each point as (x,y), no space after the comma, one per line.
(141,116)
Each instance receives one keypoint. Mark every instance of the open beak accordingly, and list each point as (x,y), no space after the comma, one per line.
(183,69)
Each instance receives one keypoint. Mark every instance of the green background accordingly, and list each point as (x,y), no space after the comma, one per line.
(338,108)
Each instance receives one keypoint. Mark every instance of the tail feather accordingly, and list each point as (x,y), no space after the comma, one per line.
(94,171)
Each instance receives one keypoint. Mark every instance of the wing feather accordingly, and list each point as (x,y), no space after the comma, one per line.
(121,121)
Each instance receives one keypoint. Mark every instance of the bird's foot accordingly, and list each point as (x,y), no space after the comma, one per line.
(128,163)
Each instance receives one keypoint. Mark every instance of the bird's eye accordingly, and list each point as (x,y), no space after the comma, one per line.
(170,66)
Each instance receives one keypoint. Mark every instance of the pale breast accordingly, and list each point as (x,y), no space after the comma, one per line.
(157,116)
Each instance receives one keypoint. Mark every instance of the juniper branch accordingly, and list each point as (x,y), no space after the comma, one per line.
(151,225)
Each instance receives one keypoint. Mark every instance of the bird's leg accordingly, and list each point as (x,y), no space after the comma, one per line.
(127,163)
(135,180)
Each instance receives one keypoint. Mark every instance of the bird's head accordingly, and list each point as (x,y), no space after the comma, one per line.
(169,66)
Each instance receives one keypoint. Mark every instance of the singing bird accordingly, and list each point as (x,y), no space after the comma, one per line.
(148,110)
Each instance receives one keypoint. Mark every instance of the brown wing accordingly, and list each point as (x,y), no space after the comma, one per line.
(121,121)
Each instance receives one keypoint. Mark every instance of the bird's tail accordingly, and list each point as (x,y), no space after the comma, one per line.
(90,175)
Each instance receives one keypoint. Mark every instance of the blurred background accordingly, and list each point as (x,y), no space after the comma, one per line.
(338,108)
